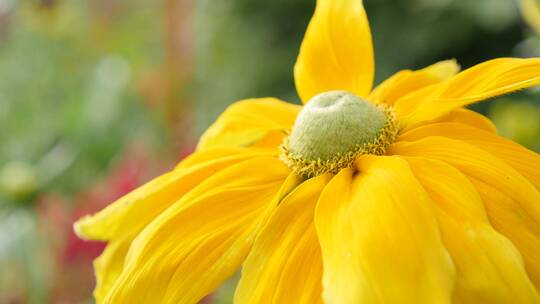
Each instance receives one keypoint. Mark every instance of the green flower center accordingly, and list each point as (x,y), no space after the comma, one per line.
(333,130)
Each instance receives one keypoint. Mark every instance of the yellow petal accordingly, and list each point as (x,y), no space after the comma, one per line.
(481,82)
(207,155)
(109,265)
(379,238)
(508,217)
(406,81)
(467,117)
(524,161)
(200,240)
(476,163)
(131,213)
(246,122)
(285,265)
(489,267)
(337,53)
(511,200)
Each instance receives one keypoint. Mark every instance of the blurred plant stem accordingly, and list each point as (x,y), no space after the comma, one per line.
(177,69)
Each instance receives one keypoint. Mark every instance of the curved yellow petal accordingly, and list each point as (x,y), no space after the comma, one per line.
(285,264)
(201,240)
(511,200)
(337,53)
(247,122)
(379,238)
(524,161)
(108,266)
(131,213)
(489,268)
(481,82)
(207,155)
(508,217)
(467,117)
(407,81)
(476,163)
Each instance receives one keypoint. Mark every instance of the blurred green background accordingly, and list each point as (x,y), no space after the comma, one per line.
(98,96)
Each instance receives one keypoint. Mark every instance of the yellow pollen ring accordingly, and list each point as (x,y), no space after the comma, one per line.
(309,168)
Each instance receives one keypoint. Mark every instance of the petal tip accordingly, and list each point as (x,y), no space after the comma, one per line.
(79,228)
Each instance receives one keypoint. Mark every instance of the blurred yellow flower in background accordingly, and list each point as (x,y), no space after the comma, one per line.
(418,202)
(530,10)
(518,120)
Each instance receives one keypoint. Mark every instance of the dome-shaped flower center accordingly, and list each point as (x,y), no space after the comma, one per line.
(333,129)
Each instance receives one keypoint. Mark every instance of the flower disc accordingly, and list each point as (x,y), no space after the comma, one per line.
(333,129)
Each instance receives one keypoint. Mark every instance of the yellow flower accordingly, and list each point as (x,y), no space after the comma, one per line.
(393,195)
